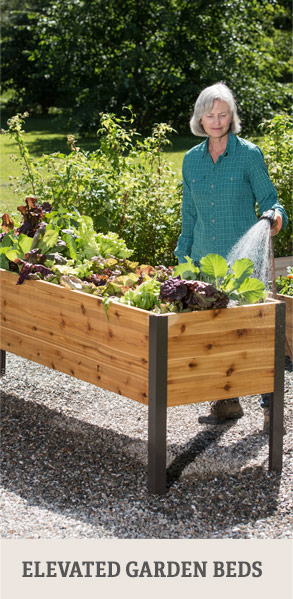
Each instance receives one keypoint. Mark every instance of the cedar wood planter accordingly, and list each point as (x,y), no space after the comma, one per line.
(158,360)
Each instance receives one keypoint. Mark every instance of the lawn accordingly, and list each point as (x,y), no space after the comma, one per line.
(44,135)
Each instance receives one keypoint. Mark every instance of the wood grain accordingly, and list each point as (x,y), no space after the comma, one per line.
(221,354)
(69,331)
(214,354)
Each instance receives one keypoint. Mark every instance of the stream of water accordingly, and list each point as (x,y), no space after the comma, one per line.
(256,246)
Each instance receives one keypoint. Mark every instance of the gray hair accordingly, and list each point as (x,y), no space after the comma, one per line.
(205,102)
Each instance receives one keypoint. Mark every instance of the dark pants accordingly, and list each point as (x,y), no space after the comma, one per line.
(264,401)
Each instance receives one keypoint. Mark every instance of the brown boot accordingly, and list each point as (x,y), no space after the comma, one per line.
(222,411)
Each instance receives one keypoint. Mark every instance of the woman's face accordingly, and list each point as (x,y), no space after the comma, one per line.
(216,123)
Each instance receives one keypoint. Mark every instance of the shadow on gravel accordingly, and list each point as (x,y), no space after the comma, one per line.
(245,449)
(93,474)
(194,449)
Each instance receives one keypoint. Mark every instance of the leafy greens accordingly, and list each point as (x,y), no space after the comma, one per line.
(64,249)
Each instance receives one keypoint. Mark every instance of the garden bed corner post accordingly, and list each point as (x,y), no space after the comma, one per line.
(277,397)
(157,404)
(2,362)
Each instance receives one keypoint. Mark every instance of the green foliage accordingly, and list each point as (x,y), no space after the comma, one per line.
(20,247)
(187,270)
(145,296)
(251,290)
(235,282)
(241,270)
(125,186)
(37,75)
(6,244)
(100,265)
(214,266)
(277,146)
(155,55)
(284,285)
(254,58)
(16,132)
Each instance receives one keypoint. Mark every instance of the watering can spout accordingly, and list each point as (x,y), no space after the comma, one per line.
(269,215)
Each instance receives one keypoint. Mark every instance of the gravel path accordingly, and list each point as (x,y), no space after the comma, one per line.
(74,461)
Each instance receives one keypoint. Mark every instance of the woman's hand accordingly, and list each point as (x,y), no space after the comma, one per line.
(277,224)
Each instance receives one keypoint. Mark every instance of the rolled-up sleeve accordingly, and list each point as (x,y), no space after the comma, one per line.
(263,189)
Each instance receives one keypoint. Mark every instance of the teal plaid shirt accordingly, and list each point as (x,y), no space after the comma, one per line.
(219,200)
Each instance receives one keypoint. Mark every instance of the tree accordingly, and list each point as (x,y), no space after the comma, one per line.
(90,56)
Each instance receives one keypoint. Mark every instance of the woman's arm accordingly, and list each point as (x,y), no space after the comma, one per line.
(264,190)
(188,212)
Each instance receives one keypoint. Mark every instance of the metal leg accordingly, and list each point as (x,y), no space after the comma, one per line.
(3,362)
(157,403)
(277,398)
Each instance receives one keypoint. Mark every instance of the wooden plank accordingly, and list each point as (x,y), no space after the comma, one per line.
(57,312)
(84,345)
(122,380)
(222,320)
(215,343)
(212,388)
(114,342)
(221,355)
(69,331)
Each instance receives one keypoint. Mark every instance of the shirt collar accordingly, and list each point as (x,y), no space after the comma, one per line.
(230,148)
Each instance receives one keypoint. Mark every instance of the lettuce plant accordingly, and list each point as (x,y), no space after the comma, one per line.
(236,281)
(64,248)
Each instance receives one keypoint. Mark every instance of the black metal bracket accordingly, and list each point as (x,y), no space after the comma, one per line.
(277,397)
(2,362)
(157,404)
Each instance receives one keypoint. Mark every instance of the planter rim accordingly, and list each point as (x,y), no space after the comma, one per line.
(285,295)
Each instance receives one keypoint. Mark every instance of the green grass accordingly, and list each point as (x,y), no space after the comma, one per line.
(180,145)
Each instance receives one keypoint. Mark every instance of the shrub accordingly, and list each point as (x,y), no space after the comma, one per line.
(126,185)
(277,148)
(284,285)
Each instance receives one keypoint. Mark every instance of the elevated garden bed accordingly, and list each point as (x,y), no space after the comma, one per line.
(158,360)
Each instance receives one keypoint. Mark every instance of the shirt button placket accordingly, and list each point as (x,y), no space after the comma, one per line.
(212,216)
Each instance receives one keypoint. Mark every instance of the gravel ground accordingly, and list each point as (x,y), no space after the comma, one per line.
(74,461)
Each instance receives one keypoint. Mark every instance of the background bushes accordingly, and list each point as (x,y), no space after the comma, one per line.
(277,146)
(127,186)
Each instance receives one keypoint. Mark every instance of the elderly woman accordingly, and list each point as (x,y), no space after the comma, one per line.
(223,179)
